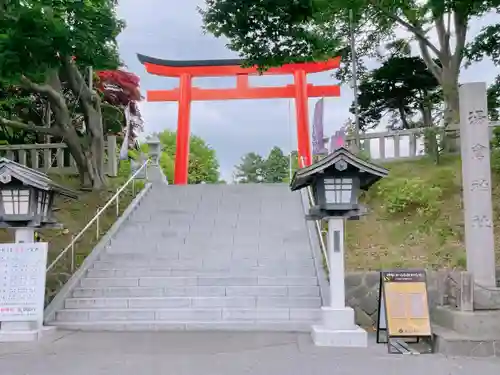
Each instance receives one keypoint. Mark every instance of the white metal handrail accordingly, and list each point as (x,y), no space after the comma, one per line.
(317,223)
(115,198)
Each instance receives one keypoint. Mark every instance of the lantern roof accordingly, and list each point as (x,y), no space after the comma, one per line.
(32,178)
(153,139)
(368,172)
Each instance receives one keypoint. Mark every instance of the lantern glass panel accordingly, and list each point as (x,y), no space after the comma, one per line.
(16,201)
(43,203)
(338,190)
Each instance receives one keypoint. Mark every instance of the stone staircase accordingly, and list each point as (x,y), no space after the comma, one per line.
(203,257)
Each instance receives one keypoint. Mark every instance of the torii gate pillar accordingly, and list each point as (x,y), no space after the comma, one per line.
(186,93)
(183,131)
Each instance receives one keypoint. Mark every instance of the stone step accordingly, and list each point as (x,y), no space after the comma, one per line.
(195,302)
(206,257)
(201,264)
(94,282)
(189,314)
(165,272)
(220,233)
(451,343)
(203,258)
(198,291)
(469,323)
(154,326)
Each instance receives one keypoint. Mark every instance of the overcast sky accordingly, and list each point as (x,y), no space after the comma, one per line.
(232,128)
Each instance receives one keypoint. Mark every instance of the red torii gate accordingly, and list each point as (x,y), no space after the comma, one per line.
(186,93)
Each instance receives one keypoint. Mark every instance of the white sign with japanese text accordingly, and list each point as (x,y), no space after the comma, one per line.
(22,281)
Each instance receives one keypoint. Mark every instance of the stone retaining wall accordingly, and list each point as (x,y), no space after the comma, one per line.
(362,294)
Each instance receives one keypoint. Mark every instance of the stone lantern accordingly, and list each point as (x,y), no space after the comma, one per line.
(154,145)
(336,182)
(27,197)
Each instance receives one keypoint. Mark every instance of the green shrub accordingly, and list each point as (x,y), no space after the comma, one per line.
(495,160)
(124,169)
(167,165)
(364,154)
(401,195)
(495,141)
(495,150)
(445,178)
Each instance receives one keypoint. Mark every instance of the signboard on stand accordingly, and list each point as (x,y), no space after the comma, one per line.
(403,309)
(22,281)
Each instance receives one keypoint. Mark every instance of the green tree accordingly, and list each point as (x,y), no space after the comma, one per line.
(401,87)
(276,167)
(253,168)
(46,46)
(28,107)
(273,32)
(203,164)
(485,45)
(494,100)
(250,169)
(117,89)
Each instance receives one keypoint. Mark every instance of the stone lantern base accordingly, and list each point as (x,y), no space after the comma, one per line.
(339,330)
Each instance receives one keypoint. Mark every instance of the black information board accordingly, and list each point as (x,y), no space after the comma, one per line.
(403,309)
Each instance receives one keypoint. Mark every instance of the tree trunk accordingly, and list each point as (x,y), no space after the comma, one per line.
(91,106)
(87,152)
(426,112)
(449,82)
(96,150)
(402,116)
(76,147)
(449,68)
(425,107)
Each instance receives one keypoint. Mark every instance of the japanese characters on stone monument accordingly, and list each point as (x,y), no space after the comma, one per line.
(476,182)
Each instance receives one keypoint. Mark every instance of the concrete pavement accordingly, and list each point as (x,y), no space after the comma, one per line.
(217,353)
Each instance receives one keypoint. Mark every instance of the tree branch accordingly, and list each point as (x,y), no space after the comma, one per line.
(76,81)
(416,30)
(54,97)
(433,67)
(39,89)
(443,36)
(29,127)
(448,28)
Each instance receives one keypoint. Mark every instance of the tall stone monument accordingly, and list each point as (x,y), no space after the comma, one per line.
(476,180)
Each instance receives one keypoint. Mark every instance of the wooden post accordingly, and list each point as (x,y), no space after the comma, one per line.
(111,151)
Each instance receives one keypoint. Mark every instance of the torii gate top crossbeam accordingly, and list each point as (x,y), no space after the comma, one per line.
(224,68)
(243,90)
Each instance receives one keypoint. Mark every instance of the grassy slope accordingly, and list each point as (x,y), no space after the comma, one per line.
(428,233)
